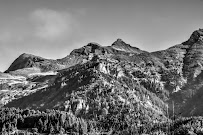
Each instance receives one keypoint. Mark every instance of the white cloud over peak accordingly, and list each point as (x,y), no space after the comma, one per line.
(51,24)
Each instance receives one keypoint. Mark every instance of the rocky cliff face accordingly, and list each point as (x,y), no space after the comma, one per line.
(193,58)
(96,79)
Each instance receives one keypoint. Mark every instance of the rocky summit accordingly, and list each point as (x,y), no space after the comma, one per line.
(119,44)
(114,82)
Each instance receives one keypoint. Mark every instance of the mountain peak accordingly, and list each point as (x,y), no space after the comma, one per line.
(24,61)
(93,44)
(201,30)
(25,55)
(120,42)
(196,36)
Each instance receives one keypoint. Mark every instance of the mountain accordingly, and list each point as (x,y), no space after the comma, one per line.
(27,64)
(34,64)
(114,81)
(192,72)
(119,44)
(92,87)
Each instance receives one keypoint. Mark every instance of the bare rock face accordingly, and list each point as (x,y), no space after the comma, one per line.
(88,49)
(94,49)
(193,61)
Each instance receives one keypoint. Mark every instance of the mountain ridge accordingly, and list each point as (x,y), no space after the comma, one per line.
(117,72)
(28,60)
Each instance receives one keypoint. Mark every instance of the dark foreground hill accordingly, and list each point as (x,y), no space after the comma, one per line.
(120,82)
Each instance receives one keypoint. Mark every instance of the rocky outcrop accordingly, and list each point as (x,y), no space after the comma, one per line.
(195,37)
(89,49)
(96,49)
(193,61)
(120,45)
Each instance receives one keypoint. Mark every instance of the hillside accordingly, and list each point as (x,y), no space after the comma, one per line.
(120,80)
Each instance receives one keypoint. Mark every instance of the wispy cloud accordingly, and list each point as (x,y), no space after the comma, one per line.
(51,24)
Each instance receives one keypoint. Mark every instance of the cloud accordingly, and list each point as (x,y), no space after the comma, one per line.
(51,24)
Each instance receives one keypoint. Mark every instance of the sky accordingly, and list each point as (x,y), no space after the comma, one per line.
(53,28)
